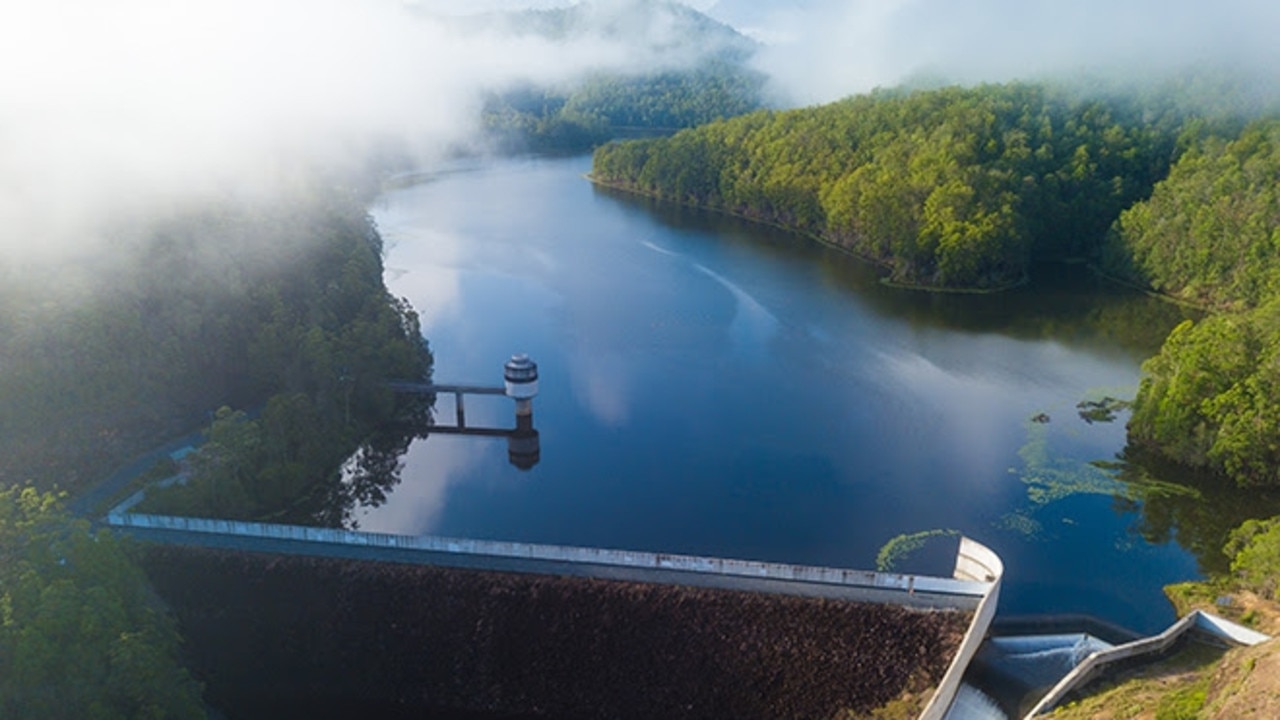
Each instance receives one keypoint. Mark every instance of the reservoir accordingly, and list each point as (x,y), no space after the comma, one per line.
(712,387)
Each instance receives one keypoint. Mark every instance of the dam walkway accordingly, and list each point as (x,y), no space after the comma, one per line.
(917,591)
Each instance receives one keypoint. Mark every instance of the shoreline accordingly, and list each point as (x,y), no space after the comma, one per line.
(816,238)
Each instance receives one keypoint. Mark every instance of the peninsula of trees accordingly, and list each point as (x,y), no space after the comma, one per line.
(949,188)
(1210,234)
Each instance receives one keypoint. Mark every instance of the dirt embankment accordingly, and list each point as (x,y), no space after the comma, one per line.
(288,636)
(1200,680)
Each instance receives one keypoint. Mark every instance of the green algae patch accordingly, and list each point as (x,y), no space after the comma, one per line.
(902,546)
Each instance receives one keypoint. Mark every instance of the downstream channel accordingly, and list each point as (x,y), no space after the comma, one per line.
(712,387)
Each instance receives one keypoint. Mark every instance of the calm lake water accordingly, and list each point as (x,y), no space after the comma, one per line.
(713,387)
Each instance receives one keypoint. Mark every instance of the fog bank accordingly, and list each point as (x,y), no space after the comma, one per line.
(821,50)
(115,111)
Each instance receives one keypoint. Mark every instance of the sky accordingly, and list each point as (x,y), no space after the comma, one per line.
(111,109)
(821,50)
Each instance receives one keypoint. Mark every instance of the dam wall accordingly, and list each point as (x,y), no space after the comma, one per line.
(323,637)
(773,639)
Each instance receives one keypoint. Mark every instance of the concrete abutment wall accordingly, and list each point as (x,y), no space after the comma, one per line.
(975,562)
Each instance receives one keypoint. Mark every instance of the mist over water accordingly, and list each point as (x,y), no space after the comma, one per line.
(115,111)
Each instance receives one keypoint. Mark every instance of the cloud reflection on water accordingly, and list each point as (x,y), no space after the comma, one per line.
(967,415)
(431,467)
(752,325)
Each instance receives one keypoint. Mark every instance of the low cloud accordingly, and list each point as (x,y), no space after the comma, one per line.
(821,50)
(112,111)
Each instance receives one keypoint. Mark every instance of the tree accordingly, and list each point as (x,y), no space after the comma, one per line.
(1254,549)
(1209,398)
(80,637)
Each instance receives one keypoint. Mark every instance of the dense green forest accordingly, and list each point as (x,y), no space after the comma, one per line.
(81,636)
(1211,397)
(697,70)
(1210,234)
(606,105)
(237,304)
(952,188)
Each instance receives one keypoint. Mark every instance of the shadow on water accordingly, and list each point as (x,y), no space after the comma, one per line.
(1195,509)
(370,475)
(1066,302)
(1170,502)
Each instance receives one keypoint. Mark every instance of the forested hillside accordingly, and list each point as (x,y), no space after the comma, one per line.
(689,70)
(1211,234)
(606,105)
(167,322)
(952,188)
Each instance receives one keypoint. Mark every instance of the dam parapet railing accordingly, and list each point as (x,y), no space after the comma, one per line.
(920,591)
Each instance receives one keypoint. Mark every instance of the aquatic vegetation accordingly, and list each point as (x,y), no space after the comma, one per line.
(900,547)
(1021,522)
(1050,477)
(1103,411)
